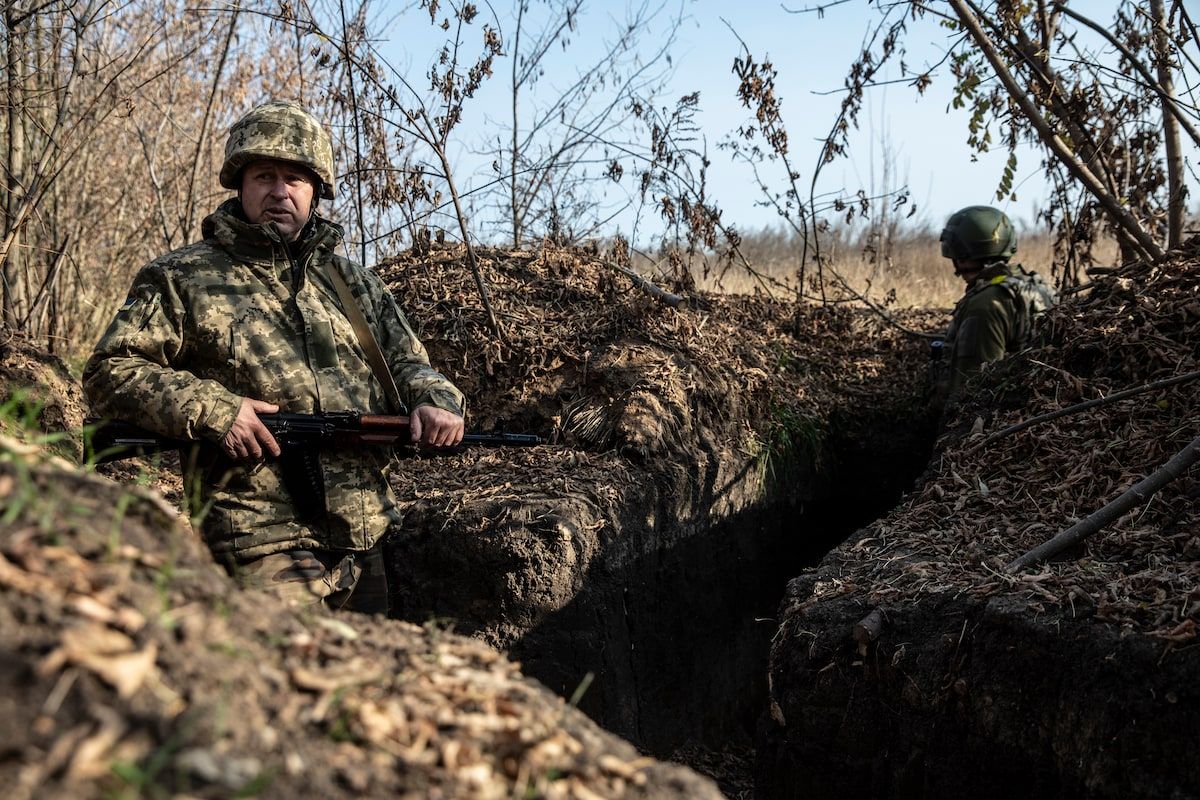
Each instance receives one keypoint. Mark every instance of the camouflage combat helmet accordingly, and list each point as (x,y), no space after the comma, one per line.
(979,233)
(280,130)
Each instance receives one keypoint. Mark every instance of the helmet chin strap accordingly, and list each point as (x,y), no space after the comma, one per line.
(981,265)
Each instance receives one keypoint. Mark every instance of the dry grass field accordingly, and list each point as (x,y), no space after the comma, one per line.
(908,273)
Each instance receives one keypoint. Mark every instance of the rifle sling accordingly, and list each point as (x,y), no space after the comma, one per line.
(366,339)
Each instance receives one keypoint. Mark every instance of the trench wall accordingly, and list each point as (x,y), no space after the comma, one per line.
(659,615)
(961,698)
(657,601)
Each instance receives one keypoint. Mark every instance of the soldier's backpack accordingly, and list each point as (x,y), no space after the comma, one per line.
(1033,297)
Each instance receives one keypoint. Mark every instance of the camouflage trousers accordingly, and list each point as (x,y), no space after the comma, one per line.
(337,579)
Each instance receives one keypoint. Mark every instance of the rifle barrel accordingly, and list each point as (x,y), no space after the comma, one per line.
(502,439)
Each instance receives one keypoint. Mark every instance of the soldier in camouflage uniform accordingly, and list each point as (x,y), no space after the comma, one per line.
(995,315)
(247,321)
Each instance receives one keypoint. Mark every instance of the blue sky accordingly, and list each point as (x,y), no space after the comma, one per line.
(924,140)
(812,55)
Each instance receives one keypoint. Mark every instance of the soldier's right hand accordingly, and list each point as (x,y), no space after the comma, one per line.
(249,438)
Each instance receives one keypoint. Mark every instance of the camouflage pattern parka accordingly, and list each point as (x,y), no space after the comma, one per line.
(243,315)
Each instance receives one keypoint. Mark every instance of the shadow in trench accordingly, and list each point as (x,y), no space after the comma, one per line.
(675,643)
(673,618)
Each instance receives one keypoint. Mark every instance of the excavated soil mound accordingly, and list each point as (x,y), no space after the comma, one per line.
(132,667)
(603,366)
(1072,679)
(640,555)
(37,391)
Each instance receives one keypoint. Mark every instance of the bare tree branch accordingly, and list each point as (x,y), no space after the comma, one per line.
(1119,213)
(1170,103)
(189,215)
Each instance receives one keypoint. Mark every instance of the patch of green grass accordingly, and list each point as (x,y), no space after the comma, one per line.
(581,689)
(164,578)
(231,650)
(20,414)
(786,360)
(793,440)
(21,496)
(339,729)
(193,487)
(114,528)
(148,777)
(257,785)
(273,639)
(437,627)
(42,504)
(533,789)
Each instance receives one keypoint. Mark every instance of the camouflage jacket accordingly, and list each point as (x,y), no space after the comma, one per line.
(993,318)
(223,319)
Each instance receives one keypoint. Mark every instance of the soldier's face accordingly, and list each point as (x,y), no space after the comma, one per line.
(967,269)
(279,192)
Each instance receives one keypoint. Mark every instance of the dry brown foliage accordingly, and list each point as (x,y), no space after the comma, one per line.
(147,672)
(755,368)
(981,507)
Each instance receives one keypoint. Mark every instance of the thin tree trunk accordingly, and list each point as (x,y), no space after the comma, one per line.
(14,167)
(512,169)
(1175,187)
(35,318)
(358,194)
(189,217)
(484,295)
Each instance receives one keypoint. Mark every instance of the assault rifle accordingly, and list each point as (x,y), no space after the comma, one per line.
(113,440)
(301,439)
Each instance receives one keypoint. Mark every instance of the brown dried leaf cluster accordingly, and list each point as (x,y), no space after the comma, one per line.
(580,334)
(132,666)
(984,505)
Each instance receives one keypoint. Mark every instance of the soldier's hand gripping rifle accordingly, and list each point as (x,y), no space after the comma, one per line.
(301,438)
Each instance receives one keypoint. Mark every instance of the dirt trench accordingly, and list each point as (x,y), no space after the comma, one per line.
(661,629)
(702,456)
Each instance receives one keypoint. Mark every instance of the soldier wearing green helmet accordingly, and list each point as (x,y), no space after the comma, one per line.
(249,321)
(995,315)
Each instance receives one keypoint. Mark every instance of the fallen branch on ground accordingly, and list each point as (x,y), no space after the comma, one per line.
(657,292)
(1137,494)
